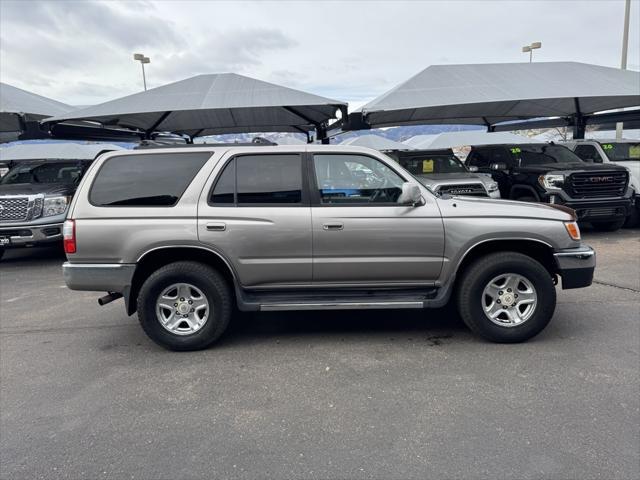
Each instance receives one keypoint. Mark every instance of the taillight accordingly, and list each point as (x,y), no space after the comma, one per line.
(69,236)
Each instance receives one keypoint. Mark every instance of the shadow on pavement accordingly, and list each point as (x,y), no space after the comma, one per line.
(34,255)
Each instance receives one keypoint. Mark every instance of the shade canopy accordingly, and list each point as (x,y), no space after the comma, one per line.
(54,151)
(17,104)
(474,137)
(214,104)
(377,142)
(486,94)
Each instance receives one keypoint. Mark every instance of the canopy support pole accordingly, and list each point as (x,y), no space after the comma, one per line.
(163,117)
(579,123)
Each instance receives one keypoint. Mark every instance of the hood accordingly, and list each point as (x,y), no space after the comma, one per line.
(47,189)
(569,167)
(488,207)
(436,179)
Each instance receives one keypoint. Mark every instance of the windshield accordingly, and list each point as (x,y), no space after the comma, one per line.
(544,154)
(429,164)
(56,172)
(622,152)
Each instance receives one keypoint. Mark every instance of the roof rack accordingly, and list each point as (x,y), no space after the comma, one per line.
(147,144)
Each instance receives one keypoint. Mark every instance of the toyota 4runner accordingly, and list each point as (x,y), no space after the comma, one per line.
(187,234)
(551,173)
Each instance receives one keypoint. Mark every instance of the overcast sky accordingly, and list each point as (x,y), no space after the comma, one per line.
(80,52)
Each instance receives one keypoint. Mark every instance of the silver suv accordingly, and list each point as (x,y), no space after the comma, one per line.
(187,234)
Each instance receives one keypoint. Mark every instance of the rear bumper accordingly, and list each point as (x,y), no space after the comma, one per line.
(29,235)
(99,277)
(576,266)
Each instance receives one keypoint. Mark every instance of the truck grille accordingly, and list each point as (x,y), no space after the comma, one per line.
(14,208)
(597,184)
(469,189)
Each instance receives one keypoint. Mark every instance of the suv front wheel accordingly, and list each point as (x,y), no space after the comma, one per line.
(506,297)
(184,306)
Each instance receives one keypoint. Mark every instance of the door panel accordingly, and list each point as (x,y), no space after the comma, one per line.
(259,217)
(383,244)
(361,235)
(266,245)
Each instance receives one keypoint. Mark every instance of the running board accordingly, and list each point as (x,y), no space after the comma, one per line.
(270,307)
(332,299)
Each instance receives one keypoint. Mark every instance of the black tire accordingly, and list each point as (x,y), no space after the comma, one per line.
(470,296)
(1,253)
(608,226)
(212,285)
(527,199)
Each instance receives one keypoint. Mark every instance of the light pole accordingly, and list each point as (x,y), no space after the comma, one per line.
(623,59)
(530,48)
(142,59)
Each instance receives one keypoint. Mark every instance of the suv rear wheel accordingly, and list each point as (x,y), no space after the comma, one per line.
(184,306)
(506,297)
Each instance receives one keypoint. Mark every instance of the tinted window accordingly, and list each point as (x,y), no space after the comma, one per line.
(620,152)
(356,179)
(427,164)
(587,151)
(157,179)
(478,158)
(226,185)
(544,154)
(269,179)
(54,172)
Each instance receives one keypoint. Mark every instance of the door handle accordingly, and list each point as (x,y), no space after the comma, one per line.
(217,227)
(333,226)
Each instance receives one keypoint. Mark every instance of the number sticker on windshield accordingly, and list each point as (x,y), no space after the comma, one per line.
(607,146)
(427,166)
(515,150)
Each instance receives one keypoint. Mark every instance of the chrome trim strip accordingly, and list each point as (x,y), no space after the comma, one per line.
(338,306)
(580,254)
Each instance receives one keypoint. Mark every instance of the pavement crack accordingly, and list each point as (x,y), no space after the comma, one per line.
(616,286)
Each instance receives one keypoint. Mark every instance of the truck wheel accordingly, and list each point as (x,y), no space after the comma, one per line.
(506,297)
(527,199)
(184,306)
(1,253)
(608,226)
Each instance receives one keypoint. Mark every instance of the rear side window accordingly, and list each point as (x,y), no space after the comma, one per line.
(260,180)
(149,180)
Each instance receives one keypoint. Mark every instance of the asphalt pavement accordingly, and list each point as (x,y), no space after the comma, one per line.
(373,394)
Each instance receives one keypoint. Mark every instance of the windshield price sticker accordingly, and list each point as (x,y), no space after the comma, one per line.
(634,151)
(516,150)
(427,166)
(607,146)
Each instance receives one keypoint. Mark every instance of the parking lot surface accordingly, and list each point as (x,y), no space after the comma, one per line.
(370,394)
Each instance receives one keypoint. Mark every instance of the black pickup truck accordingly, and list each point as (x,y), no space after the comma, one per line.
(541,172)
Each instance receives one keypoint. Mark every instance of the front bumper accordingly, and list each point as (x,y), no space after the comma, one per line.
(28,235)
(576,266)
(594,209)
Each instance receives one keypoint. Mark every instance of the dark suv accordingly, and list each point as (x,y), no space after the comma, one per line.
(550,173)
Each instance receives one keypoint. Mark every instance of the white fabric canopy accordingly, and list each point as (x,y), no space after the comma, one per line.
(375,142)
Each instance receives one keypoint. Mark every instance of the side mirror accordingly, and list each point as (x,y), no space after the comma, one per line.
(473,169)
(411,194)
(597,160)
(498,166)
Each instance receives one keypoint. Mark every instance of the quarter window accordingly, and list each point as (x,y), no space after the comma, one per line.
(348,179)
(157,179)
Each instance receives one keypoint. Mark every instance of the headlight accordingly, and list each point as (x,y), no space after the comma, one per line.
(551,182)
(54,206)
(492,187)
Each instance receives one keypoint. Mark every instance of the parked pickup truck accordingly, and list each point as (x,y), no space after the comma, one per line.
(541,172)
(37,189)
(187,234)
(625,153)
(443,173)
